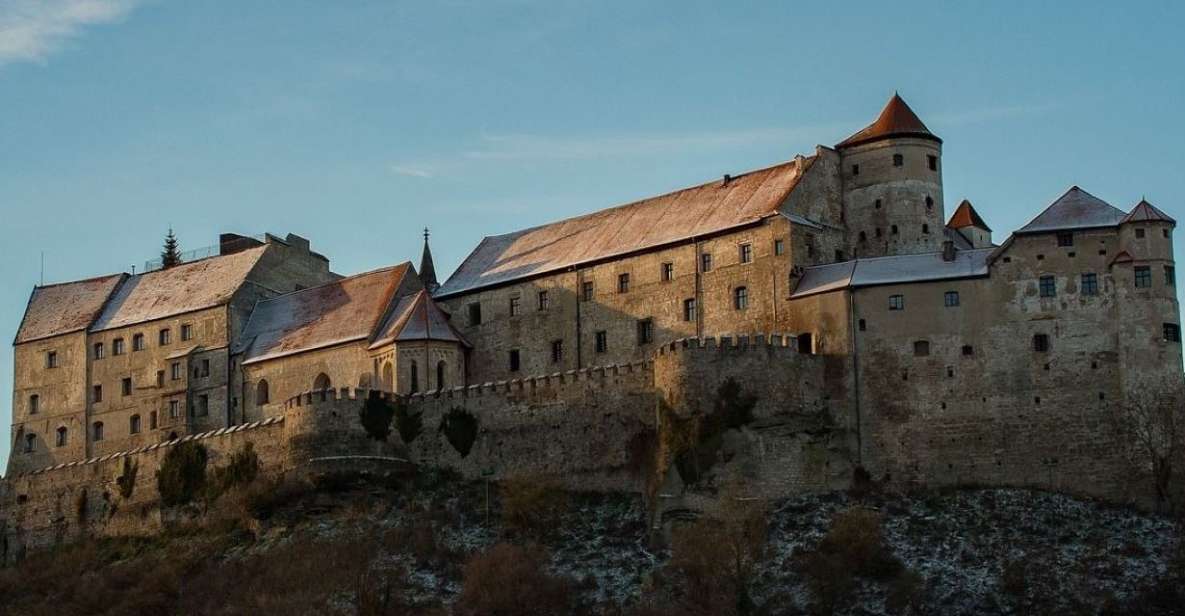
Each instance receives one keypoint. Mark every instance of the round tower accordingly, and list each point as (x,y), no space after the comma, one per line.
(892,185)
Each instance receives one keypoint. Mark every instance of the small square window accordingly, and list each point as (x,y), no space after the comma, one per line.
(602,341)
(1172,332)
(746,253)
(705,261)
(1143,276)
(896,302)
(668,272)
(1090,284)
(623,283)
(921,348)
(950,299)
(475,313)
(645,331)
(1041,343)
(898,160)
(1139,233)
(544,300)
(779,247)
(586,291)
(1065,238)
(1048,286)
(932,161)
(515,306)
(689,313)
(514,361)
(968,350)
(557,351)
(187,332)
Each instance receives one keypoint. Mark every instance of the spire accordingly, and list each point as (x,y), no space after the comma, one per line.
(895,120)
(427,269)
(966,216)
(1145,212)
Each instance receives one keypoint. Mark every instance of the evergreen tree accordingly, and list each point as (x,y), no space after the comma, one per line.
(171,255)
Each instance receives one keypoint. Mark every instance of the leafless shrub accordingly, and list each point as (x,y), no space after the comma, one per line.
(511,580)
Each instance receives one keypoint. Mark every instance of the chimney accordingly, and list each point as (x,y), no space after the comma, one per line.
(727,179)
(948,251)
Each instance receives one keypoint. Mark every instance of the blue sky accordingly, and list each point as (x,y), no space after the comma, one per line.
(358,123)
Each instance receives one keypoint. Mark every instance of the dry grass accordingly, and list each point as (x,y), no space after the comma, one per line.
(511,580)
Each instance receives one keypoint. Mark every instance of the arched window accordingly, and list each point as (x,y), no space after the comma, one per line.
(415,377)
(61,436)
(34,404)
(388,377)
(30,439)
(97,431)
(740,298)
(134,424)
(322,382)
(440,367)
(262,395)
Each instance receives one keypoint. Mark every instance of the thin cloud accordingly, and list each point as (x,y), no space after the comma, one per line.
(411,171)
(32,30)
(985,114)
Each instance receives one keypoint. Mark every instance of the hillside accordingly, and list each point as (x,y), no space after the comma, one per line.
(353,545)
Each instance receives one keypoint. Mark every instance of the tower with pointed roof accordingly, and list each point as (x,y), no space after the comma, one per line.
(427,268)
(968,223)
(892,185)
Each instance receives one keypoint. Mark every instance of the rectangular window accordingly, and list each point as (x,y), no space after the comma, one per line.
(160,378)
(1065,238)
(97,430)
(1170,276)
(932,160)
(1040,343)
(515,306)
(896,302)
(602,341)
(51,359)
(898,160)
(623,283)
(950,299)
(175,369)
(475,313)
(557,351)
(968,350)
(1090,284)
(97,394)
(1172,332)
(544,300)
(645,331)
(514,361)
(99,352)
(586,291)
(138,342)
(705,262)
(855,169)
(921,348)
(668,272)
(174,409)
(165,336)
(1047,286)
(1143,276)
(689,309)
(205,368)
(187,332)
(746,253)
(1139,234)
(203,406)
(152,420)
(740,298)
(779,247)
(125,386)
(117,347)
(134,424)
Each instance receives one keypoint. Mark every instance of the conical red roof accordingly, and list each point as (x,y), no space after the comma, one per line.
(1144,212)
(896,120)
(966,216)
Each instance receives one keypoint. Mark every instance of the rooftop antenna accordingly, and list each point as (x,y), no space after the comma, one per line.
(42,269)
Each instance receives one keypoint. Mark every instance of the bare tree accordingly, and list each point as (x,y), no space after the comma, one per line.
(1150,426)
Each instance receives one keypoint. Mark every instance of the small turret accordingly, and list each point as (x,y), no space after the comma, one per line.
(427,268)
(967,222)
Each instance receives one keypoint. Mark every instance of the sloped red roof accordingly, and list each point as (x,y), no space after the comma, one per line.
(59,309)
(895,120)
(642,225)
(1145,212)
(417,317)
(966,216)
(345,310)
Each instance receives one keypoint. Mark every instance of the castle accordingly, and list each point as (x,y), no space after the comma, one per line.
(833,282)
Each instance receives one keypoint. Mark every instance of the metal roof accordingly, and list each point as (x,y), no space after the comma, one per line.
(1146,212)
(417,317)
(892,270)
(895,120)
(178,289)
(1076,209)
(59,309)
(650,223)
(341,311)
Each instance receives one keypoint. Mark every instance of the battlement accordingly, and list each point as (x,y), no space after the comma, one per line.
(738,342)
